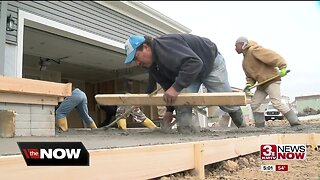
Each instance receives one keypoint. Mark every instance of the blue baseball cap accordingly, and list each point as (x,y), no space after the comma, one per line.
(131,46)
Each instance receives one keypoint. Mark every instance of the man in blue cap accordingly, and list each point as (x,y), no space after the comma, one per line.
(181,63)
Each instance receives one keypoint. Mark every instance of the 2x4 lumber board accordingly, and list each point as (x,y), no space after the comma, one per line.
(219,150)
(31,86)
(248,145)
(293,139)
(121,163)
(198,161)
(148,162)
(28,99)
(312,139)
(197,99)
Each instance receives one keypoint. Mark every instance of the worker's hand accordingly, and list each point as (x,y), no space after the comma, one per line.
(246,89)
(283,71)
(170,95)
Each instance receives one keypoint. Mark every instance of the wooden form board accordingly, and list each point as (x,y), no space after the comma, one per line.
(121,163)
(234,147)
(29,99)
(148,162)
(198,99)
(31,86)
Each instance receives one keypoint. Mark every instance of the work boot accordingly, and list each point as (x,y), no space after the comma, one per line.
(122,124)
(62,124)
(93,125)
(292,118)
(237,118)
(166,126)
(149,124)
(259,119)
(187,122)
(191,128)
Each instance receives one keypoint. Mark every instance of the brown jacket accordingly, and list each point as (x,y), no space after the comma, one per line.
(260,64)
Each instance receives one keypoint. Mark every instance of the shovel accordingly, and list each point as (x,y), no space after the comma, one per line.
(265,81)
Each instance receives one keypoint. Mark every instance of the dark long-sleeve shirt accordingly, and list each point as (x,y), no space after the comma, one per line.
(180,59)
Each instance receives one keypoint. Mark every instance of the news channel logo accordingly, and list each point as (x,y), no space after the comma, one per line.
(283,152)
(54,153)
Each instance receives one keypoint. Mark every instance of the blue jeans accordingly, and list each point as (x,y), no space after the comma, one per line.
(77,100)
(216,81)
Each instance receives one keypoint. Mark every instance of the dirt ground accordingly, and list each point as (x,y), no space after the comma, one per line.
(249,166)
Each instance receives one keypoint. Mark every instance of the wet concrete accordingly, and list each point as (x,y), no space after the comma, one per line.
(115,138)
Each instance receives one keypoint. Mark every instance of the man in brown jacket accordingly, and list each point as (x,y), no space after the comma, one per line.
(260,64)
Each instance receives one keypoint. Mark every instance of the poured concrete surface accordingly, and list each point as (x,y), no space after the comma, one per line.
(113,138)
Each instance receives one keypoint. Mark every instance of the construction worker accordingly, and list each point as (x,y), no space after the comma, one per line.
(137,115)
(77,100)
(181,63)
(260,64)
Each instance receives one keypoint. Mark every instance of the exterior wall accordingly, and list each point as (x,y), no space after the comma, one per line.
(3,8)
(32,120)
(308,105)
(85,15)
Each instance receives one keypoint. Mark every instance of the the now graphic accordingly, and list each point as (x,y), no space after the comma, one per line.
(54,153)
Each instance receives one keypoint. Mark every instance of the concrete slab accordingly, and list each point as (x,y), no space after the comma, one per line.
(114,138)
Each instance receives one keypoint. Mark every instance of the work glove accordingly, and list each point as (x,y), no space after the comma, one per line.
(246,89)
(283,71)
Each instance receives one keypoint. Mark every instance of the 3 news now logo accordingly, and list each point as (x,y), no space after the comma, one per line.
(54,153)
(283,151)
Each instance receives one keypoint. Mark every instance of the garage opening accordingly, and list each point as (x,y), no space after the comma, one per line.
(93,69)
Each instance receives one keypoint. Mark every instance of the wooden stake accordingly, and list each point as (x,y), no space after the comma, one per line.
(198,161)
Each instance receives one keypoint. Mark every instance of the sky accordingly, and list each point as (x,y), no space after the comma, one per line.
(292,29)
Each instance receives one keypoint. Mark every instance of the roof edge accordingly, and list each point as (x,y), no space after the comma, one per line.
(146,15)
